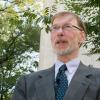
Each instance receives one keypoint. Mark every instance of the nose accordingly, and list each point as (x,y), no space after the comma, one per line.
(60,32)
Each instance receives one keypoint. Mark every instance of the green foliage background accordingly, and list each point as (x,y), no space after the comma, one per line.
(19,33)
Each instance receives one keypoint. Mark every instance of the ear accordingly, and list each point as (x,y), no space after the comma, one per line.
(82,37)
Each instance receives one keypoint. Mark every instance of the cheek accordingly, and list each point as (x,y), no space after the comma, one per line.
(72,37)
(52,38)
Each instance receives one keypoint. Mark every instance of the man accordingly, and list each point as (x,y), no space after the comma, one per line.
(69,78)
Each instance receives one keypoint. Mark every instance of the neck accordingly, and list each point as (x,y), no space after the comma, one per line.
(67,58)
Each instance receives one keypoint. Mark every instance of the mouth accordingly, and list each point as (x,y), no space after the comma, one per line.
(61,42)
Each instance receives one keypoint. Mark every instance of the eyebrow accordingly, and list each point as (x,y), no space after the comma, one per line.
(77,27)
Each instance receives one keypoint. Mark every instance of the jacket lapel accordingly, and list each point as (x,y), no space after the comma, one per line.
(77,88)
(79,84)
(45,85)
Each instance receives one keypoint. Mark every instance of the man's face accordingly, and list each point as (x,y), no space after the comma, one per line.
(65,37)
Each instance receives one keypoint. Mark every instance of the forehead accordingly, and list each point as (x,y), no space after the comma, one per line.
(66,19)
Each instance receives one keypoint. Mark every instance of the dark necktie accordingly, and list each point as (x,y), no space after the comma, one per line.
(61,83)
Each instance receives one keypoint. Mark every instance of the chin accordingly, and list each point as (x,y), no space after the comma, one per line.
(65,51)
(62,53)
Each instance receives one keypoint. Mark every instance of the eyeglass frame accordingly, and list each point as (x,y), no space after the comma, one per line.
(66,26)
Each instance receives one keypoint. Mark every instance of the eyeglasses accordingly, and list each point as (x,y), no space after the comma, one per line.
(64,28)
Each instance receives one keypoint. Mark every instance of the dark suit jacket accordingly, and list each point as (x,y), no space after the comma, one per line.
(85,85)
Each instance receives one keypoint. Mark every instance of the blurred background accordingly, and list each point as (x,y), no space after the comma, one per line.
(25,37)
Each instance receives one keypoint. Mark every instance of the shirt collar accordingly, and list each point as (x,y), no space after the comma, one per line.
(71,65)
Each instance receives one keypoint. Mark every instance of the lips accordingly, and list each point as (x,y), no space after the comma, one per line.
(60,41)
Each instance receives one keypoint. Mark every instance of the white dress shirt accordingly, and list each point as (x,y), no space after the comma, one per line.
(71,68)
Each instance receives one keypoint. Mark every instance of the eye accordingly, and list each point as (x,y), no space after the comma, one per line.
(55,27)
(67,27)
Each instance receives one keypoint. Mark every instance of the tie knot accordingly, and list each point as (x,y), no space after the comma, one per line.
(63,68)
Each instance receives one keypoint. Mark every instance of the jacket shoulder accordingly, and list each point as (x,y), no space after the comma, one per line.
(94,70)
(32,77)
